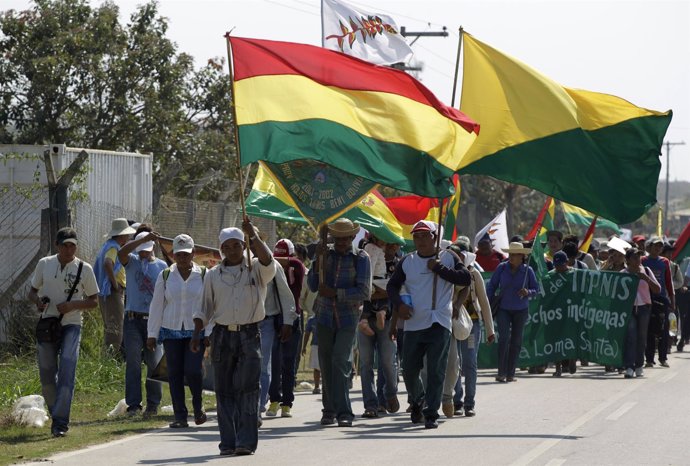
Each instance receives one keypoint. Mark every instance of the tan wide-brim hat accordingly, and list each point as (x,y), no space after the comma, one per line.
(343,227)
(120,227)
(516,248)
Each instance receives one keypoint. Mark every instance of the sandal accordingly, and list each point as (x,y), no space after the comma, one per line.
(370,413)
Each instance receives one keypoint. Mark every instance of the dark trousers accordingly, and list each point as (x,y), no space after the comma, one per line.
(432,342)
(511,325)
(236,360)
(335,360)
(661,342)
(636,337)
(283,367)
(182,363)
(683,304)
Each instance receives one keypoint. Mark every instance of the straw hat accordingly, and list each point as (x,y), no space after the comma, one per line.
(343,227)
(120,227)
(516,248)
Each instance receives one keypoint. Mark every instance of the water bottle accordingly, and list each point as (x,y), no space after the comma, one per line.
(672,324)
(405,297)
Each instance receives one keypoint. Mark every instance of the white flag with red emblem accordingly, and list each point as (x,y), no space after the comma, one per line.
(497,231)
(371,36)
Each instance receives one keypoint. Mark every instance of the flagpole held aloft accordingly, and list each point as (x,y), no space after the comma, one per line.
(237,141)
(457,66)
(438,250)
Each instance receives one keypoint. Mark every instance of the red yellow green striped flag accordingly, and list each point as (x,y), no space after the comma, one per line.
(300,102)
(544,221)
(595,151)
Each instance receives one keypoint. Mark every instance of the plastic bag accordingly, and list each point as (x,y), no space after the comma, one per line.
(119,409)
(30,411)
(672,324)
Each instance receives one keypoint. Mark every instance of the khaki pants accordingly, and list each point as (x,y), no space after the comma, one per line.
(113,313)
(452,371)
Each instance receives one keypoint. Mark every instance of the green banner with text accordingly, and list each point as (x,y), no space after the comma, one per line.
(580,314)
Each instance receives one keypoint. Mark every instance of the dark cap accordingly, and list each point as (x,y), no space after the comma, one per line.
(633,252)
(66,235)
(668,247)
(560,258)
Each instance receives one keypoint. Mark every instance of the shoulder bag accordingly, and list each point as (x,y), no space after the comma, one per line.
(49,329)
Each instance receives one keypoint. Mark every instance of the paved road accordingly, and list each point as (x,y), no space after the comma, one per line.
(587,418)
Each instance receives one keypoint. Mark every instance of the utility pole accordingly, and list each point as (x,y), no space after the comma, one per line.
(668,169)
(405,33)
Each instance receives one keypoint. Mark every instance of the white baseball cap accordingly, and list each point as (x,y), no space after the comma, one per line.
(183,243)
(147,246)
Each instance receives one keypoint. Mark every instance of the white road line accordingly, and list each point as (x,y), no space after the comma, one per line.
(546,445)
(614,416)
(668,377)
(556,462)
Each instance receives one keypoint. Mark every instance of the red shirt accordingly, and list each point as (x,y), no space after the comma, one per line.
(490,262)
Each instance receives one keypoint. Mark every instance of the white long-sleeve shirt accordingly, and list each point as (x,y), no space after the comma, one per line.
(175,301)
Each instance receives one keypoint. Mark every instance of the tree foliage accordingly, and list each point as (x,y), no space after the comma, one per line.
(73,74)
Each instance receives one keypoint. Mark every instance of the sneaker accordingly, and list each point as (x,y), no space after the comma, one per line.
(344,422)
(133,411)
(273,409)
(327,420)
(501,379)
(382,409)
(649,364)
(680,347)
(664,364)
(58,432)
(469,412)
(458,408)
(178,425)
(316,391)
(416,415)
(629,373)
(639,372)
(558,372)
(430,423)
(448,409)
(150,412)
(285,411)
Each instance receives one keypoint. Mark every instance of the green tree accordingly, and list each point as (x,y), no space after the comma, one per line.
(72,74)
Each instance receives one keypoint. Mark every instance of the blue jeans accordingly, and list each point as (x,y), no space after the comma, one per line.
(282,388)
(387,365)
(468,348)
(432,342)
(135,334)
(636,337)
(236,360)
(57,369)
(268,332)
(182,363)
(335,360)
(511,325)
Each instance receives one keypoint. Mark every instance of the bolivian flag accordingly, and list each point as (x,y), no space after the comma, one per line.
(296,102)
(577,216)
(593,150)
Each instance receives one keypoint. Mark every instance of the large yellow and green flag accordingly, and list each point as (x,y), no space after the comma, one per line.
(577,216)
(593,150)
(300,102)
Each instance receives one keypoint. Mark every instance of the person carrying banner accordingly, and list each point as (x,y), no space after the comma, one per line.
(561,265)
(429,277)
(516,283)
(636,337)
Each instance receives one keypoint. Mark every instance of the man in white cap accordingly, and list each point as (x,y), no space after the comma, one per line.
(234,296)
(111,279)
(429,279)
(142,269)
(62,287)
(346,284)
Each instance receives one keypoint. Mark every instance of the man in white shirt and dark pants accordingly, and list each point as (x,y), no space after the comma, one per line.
(234,295)
(428,320)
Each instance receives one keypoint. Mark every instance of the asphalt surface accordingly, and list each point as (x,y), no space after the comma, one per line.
(582,419)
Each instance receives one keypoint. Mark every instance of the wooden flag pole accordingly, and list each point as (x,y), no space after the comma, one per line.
(438,250)
(457,67)
(237,142)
